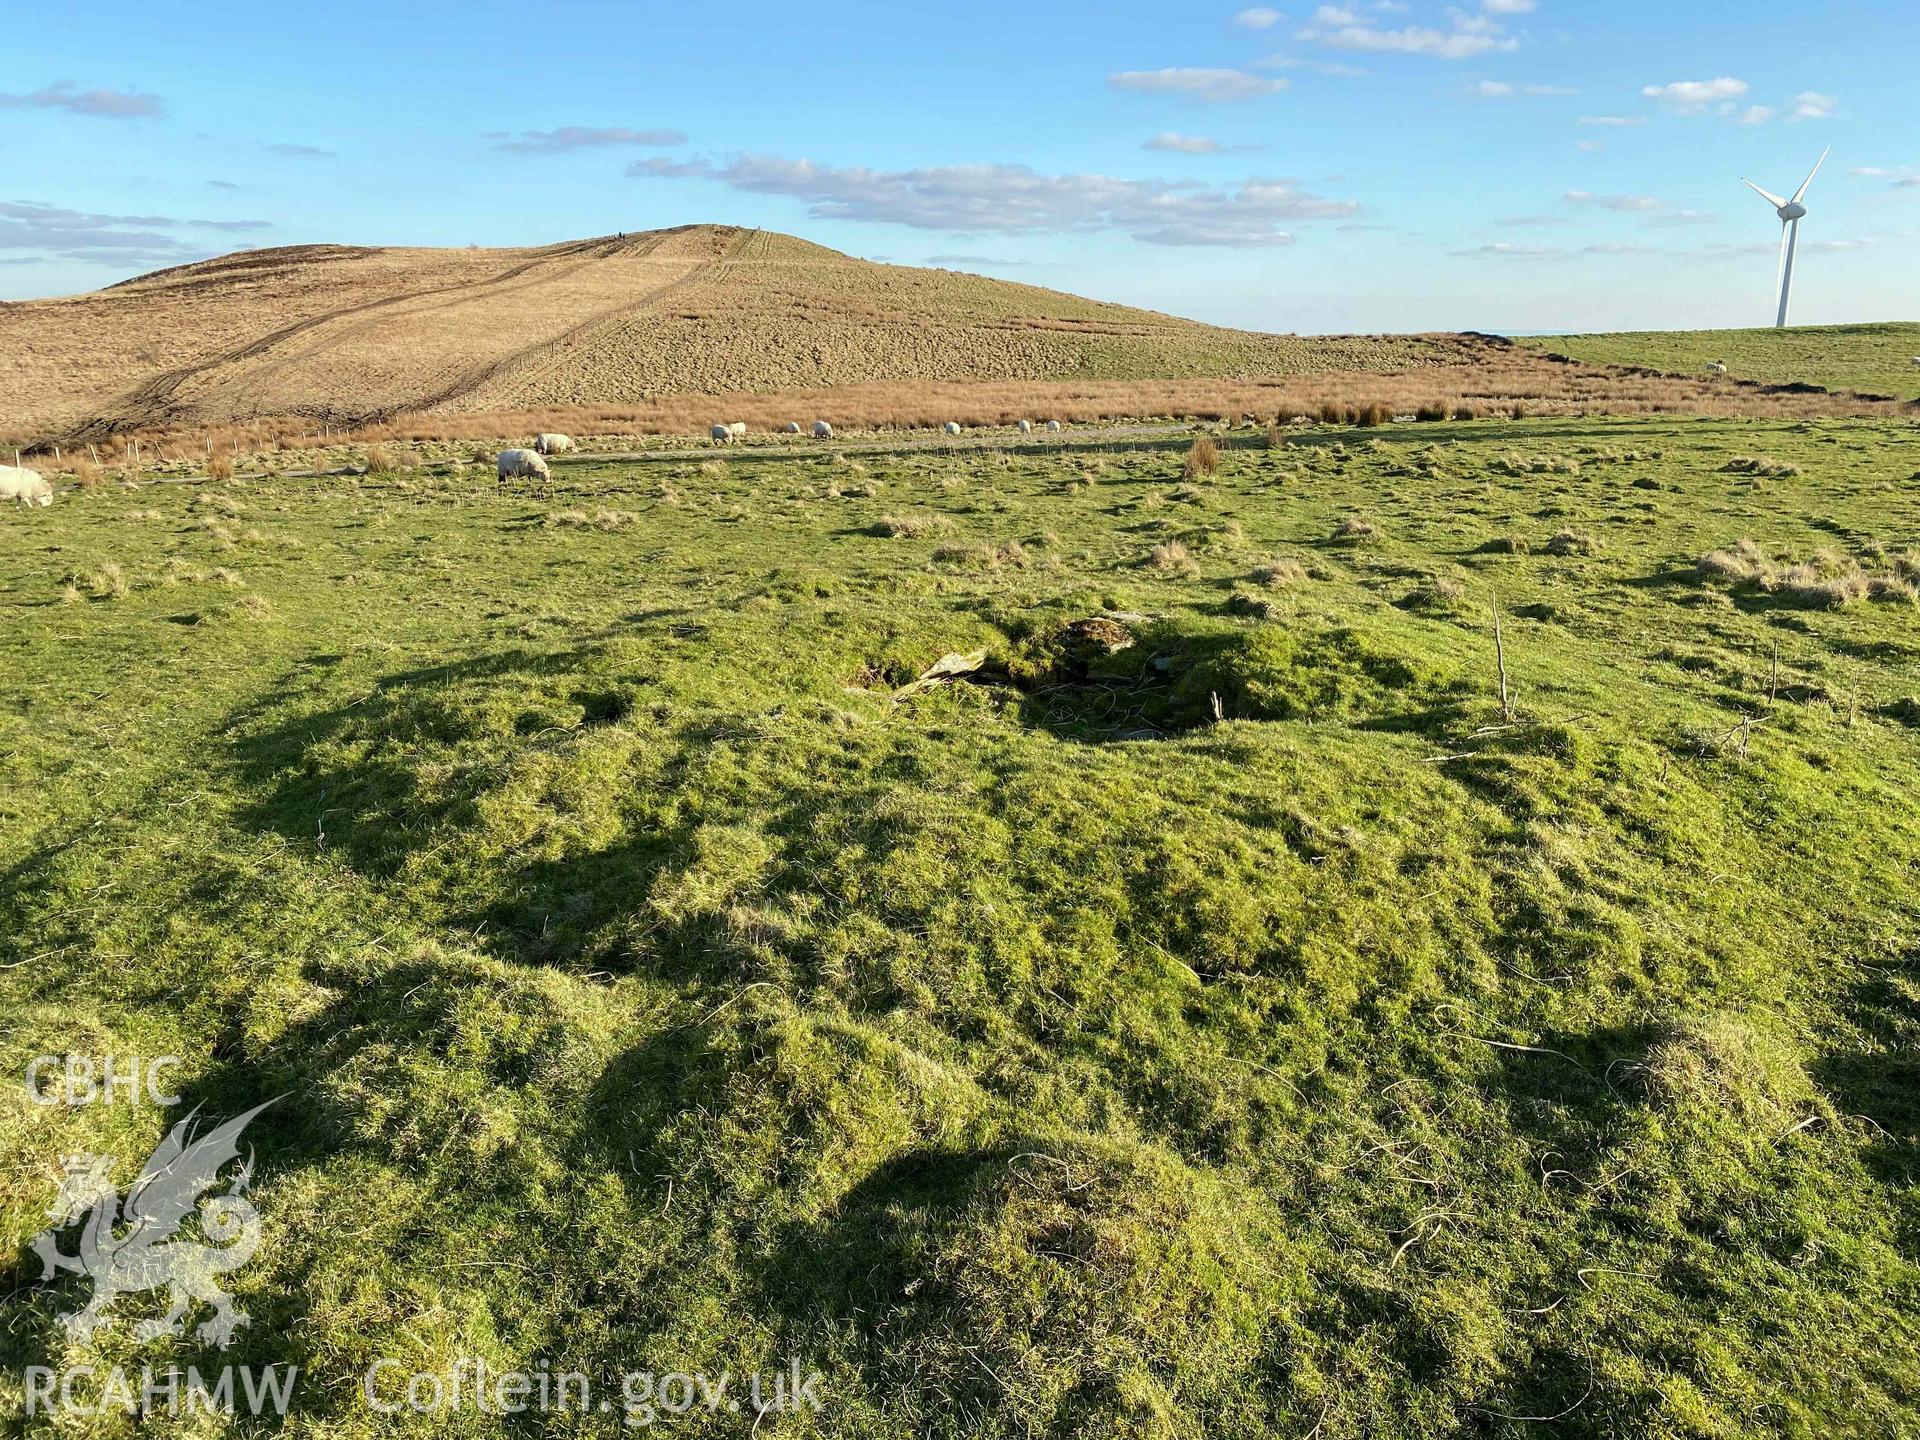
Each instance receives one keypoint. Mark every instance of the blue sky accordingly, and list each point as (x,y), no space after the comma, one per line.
(1499,164)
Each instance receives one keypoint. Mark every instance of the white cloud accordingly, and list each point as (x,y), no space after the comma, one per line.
(1696,94)
(1504,251)
(1684,217)
(108,104)
(1508,7)
(1258,18)
(968,262)
(1625,204)
(1592,147)
(1757,114)
(1615,122)
(1018,200)
(1506,89)
(1174,141)
(1812,105)
(1873,172)
(1214,86)
(580,137)
(119,240)
(1467,35)
(1323,67)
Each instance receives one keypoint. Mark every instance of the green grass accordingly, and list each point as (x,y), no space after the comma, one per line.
(651,988)
(1870,359)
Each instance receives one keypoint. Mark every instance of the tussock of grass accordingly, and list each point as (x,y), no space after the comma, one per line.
(600,519)
(1827,579)
(1355,530)
(1278,574)
(913,527)
(1203,459)
(1572,542)
(1759,465)
(1439,593)
(1707,1066)
(1537,465)
(1170,555)
(980,555)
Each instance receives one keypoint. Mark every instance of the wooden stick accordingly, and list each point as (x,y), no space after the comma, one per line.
(1500,660)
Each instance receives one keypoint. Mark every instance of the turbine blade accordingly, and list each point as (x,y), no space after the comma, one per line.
(1766,195)
(1811,173)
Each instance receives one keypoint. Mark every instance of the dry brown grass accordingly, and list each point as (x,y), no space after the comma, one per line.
(1354,530)
(351,336)
(1170,555)
(1826,580)
(1278,574)
(913,527)
(1203,460)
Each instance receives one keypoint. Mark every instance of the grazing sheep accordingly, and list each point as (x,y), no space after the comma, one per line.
(953,427)
(1916,359)
(722,434)
(1053,427)
(738,429)
(1716,368)
(29,487)
(522,465)
(1025,427)
(548,443)
(793,427)
(822,430)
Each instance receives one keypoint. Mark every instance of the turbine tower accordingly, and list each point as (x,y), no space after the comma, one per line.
(1791,212)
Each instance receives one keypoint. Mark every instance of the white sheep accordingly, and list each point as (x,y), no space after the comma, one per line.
(1025,427)
(822,430)
(522,464)
(549,443)
(1053,427)
(722,434)
(29,487)
(793,427)
(1716,368)
(953,427)
(1916,359)
(739,429)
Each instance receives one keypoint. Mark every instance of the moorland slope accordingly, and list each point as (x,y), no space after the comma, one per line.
(351,334)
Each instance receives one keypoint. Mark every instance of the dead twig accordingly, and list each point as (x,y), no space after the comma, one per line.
(1500,661)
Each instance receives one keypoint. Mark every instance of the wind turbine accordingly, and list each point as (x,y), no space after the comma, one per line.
(1791,212)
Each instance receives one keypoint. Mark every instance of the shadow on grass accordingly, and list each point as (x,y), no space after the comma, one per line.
(1880,1080)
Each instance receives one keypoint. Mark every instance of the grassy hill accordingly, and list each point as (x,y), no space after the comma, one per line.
(1243,1030)
(1870,359)
(347,334)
